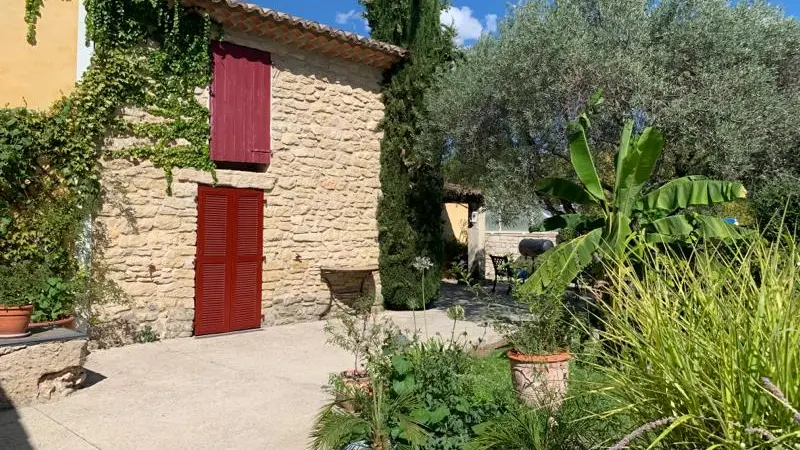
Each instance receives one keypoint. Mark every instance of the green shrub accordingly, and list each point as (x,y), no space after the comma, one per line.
(693,337)
(776,201)
(453,394)
(19,284)
(55,299)
(549,328)
(454,252)
(378,421)
(410,206)
(577,425)
(26,283)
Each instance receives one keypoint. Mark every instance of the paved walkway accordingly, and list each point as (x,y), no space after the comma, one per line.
(254,390)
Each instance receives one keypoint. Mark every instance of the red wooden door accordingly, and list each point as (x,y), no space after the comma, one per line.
(230,224)
(240,104)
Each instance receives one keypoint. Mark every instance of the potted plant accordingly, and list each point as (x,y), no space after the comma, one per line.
(539,354)
(359,332)
(54,304)
(380,422)
(17,288)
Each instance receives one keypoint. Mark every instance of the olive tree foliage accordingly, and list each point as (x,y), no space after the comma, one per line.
(722,82)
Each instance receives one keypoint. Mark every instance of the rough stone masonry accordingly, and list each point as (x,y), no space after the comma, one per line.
(321,190)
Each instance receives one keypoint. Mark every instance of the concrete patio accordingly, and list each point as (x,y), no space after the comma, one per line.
(253,390)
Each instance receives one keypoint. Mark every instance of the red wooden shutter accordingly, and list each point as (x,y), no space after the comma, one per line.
(212,262)
(230,224)
(240,104)
(246,293)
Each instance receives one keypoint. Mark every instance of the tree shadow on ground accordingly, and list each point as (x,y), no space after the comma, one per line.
(12,433)
(479,303)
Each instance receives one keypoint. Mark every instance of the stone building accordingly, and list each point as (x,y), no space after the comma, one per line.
(295,203)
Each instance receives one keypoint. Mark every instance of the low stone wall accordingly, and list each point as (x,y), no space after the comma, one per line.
(501,243)
(40,372)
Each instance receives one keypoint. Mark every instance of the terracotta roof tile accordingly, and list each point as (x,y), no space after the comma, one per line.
(305,34)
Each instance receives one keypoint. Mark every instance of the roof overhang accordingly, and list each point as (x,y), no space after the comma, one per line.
(454,193)
(299,33)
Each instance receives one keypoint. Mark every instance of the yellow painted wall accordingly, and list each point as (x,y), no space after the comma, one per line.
(456,222)
(39,74)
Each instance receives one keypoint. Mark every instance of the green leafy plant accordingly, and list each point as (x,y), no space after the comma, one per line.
(548,328)
(446,381)
(575,426)
(379,422)
(55,300)
(358,331)
(525,428)
(146,335)
(776,205)
(691,338)
(148,55)
(625,209)
(19,284)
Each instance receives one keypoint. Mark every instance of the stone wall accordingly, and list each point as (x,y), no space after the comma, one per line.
(40,372)
(501,243)
(321,190)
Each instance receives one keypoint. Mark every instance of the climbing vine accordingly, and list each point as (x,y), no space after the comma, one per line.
(149,55)
(33,10)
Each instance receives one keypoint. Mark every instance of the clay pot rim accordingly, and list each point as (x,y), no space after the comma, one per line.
(354,374)
(16,308)
(549,358)
(53,323)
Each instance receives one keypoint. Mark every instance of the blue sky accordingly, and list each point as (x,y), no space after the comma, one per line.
(471,17)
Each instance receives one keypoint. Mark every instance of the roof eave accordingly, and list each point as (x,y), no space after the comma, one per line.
(300,33)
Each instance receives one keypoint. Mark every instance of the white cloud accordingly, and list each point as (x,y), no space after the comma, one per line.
(491,23)
(343,18)
(467,27)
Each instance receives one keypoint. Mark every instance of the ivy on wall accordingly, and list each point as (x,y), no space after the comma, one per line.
(149,55)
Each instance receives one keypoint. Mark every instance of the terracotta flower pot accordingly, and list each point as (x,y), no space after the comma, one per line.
(540,380)
(66,322)
(14,320)
(358,379)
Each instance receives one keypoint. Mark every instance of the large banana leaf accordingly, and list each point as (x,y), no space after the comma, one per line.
(563,263)
(671,226)
(637,166)
(710,227)
(565,189)
(691,191)
(583,163)
(674,228)
(622,156)
(616,233)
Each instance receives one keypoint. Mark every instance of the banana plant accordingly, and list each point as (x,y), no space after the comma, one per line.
(659,215)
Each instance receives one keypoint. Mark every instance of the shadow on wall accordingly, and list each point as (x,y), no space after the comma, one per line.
(345,288)
(12,433)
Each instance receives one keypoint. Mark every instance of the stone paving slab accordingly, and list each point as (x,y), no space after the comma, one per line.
(254,390)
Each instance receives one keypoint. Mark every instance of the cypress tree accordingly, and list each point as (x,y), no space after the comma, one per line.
(410,208)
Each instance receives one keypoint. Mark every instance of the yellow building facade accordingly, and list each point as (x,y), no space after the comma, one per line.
(456,222)
(36,75)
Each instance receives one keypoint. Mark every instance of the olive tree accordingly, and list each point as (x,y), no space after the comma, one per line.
(721,81)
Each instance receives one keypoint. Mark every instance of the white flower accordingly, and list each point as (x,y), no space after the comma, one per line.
(422,263)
